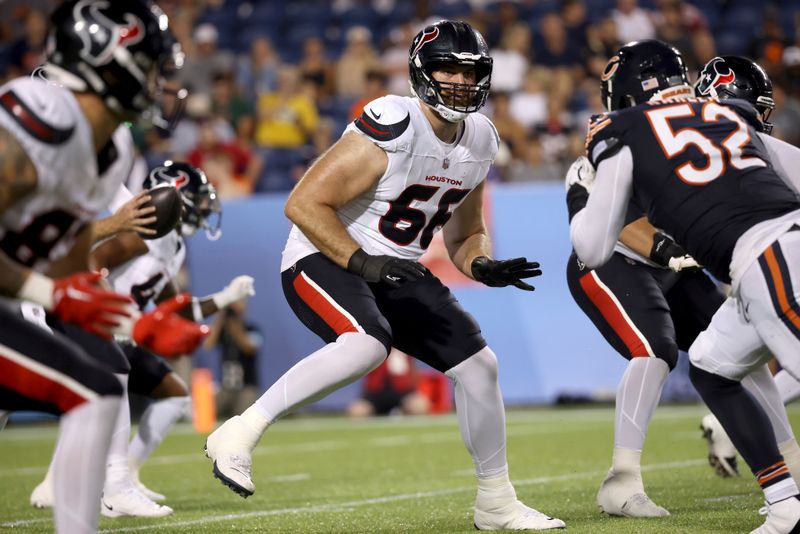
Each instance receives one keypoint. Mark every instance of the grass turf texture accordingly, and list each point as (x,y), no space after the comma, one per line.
(408,475)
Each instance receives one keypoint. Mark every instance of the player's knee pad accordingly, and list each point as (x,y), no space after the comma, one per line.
(666,349)
(480,366)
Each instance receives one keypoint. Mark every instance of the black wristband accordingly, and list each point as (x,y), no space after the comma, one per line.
(356,262)
(665,248)
(577,197)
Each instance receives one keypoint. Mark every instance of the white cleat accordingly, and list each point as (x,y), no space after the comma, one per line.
(499,509)
(623,495)
(144,490)
(783,517)
(131,502)
(42,495)
(721,452)
(514,516)
(230,448)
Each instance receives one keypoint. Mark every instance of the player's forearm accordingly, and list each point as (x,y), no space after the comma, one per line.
(104,228)
(464,251)
(320,224)
(77,259)
(595,229)
(638,236)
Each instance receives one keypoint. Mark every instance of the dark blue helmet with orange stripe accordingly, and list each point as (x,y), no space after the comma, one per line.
(737,77)
(201,206)
(122,51)
(450,43)
(641,70)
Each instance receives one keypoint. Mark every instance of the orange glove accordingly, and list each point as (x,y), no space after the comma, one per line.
(80,299)
(165,332)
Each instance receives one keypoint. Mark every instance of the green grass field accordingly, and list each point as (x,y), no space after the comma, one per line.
(408,475)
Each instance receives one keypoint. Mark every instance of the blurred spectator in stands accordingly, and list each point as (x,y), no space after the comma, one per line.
(239,342)
(633,23)
(186,136)
(511,58)
(553,49)
(532,167)
(316,67)
(229,105)
(786,117)
(685,27)
(390,389)
(26,53)
(231,167)
(358,58)
(394,59)
(506,17)
(576,23)
(508,127)
(768,46)
(374,88)
(285,121)
(204,60)
(529,106)
(603,42)
(257,73)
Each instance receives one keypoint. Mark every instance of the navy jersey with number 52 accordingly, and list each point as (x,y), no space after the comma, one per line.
(700,171)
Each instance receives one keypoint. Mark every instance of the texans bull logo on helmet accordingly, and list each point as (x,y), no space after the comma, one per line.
(715,73)
(104,33)
(427,37)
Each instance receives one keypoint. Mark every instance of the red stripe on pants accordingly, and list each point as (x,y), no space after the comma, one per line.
(338,322)
(613,315)
(29,383)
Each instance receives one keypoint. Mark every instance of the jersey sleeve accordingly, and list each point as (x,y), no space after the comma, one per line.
(385,121)
(605,137)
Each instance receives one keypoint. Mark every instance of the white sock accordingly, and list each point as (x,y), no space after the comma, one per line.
(495,492)
(638,394)
(156,422)
(481,416)
(335,365)
(627,461)
(117,471)
(77,466)
(762,386)
(3,419)
(788,386)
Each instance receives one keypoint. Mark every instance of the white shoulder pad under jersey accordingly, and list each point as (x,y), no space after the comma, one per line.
(146,276)
(424,182)
(71,188)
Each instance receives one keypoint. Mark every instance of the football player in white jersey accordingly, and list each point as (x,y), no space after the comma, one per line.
(364,213)
(63,154)
(146,270)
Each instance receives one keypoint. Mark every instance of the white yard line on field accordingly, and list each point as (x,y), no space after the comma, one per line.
(335,507)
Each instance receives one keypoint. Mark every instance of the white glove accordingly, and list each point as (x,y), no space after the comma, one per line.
(679,263)
(238,288)
(580,172)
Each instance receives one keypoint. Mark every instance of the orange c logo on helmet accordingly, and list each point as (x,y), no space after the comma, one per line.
(611,68)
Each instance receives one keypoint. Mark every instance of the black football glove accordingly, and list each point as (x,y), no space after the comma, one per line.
(389,270)
(501,273)
(668,253)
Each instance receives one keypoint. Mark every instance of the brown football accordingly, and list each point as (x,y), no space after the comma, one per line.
(167,201)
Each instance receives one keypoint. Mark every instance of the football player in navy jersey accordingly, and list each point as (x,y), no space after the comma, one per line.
(364,213)
(705,173)
(63,152)
(649,301)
